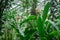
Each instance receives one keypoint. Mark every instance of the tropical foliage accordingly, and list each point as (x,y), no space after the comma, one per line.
(26,21)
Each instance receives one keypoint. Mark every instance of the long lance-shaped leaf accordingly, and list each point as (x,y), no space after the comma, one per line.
(45,11)
(40,27)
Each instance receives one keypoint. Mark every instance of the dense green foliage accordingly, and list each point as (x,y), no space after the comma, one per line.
(28,24)
(4,4)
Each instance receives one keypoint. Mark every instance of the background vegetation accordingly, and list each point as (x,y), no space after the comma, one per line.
(30,20)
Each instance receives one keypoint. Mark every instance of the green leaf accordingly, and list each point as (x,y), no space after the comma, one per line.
(54,33)
(40,27)
(53,24)
(32,17)
(47,26)
(29,33)
(45,11)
